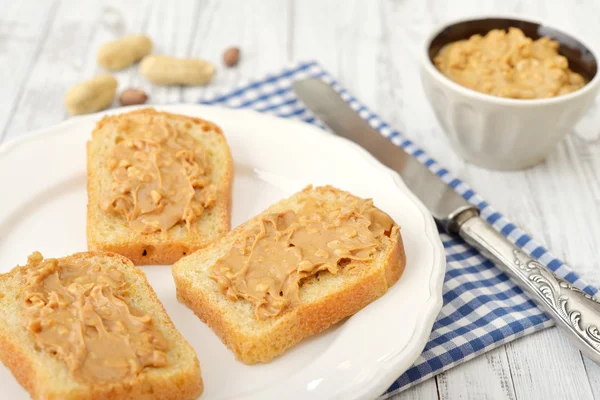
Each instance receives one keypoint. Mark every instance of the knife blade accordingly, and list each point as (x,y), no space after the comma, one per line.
(574,311)
(333,111)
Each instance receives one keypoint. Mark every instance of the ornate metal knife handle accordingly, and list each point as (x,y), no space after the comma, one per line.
(574,311)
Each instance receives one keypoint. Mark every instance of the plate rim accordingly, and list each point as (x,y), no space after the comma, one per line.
(381,377)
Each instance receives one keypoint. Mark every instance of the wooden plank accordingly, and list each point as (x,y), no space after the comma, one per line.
(259,29)
(184,28)
(69,56)
(171,26)
(347,40)
(424,391)
(402,102)
(22,34)
(538,376)
(487,378)
(114,19)
(593,372)
(58,66)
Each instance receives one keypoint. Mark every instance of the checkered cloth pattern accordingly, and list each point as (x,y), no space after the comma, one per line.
(482,308)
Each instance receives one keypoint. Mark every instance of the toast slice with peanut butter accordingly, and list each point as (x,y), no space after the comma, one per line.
(89,326)
(159,185)
(300,266)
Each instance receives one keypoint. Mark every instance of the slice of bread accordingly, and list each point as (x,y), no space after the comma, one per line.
(47,376)
(112,232)
(324,299)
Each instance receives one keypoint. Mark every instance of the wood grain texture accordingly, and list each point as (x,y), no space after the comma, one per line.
(593,373)
(347,45)
(22,36)
(488,378)
(259,29)
(115,18)
(373,49)
(423,391)
(528,363)
(58,66)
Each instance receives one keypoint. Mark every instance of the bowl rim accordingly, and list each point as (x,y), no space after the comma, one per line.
(430,67)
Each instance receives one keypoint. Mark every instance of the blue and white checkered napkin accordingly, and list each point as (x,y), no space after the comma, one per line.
(482,308)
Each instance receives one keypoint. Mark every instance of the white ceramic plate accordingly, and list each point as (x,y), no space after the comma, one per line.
(43,206)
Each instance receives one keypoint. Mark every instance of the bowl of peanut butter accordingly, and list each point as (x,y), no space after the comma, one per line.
(506,91)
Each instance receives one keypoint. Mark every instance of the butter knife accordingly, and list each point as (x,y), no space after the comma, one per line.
(574,311)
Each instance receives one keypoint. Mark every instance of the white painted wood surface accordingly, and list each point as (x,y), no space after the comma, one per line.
(372,47)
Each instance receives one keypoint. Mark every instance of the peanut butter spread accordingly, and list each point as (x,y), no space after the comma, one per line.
(77,312)
(509,65)
(160,177)
(273,257)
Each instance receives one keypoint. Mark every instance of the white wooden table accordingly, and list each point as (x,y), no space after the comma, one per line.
(372,47)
